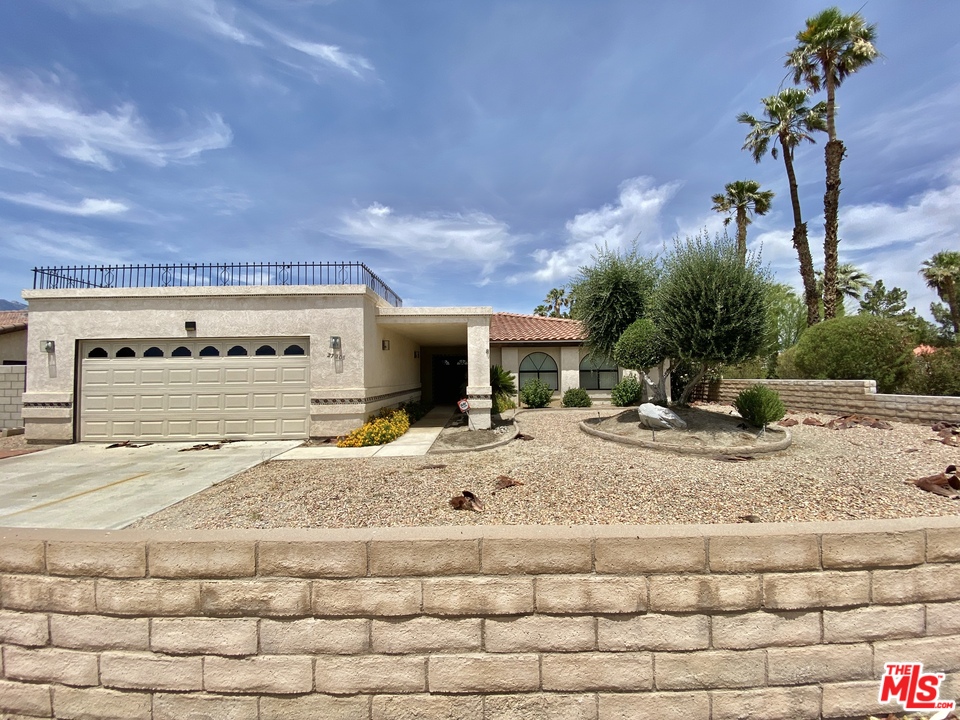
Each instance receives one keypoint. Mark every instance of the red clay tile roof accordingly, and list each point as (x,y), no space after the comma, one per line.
(513,327)
(11,320)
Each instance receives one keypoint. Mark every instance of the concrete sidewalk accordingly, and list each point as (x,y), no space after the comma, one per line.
(416,441)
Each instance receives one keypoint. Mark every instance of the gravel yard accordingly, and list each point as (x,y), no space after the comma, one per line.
(570,477)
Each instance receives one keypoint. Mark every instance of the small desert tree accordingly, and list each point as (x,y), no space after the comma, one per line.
(610,294)
(640,348)
(709,307)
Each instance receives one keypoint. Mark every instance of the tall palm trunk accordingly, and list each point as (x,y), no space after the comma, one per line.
(953,304)
(800,241)
(742,234)
(833,156)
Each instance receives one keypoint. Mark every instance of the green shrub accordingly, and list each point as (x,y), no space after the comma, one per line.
(640,347)
(576,397)
(503,388)
(759,405)
(786,368)
(856,347)
(535,393)
(626,392)
(379,430)
(501,403)
(414,409)
(935,373)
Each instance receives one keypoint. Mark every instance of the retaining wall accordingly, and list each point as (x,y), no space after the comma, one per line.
(12,382)
(569,623)
(843,397)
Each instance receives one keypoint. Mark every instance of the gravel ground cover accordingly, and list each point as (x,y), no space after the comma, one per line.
(570,477)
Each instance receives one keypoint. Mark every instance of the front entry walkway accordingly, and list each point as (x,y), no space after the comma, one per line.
(416,441)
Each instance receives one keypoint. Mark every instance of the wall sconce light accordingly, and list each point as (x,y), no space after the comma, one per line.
(190,325)
(385,344)
(335,348)
(335,342)
(48,346)
(416,354)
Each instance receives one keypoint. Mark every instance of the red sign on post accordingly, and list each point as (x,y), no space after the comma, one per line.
(464,406)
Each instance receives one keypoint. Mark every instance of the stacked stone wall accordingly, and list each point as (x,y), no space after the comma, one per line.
(780,621)
(843,397)
(12,382)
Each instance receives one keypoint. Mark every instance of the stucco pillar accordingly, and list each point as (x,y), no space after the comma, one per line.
(478,371)
(569,367)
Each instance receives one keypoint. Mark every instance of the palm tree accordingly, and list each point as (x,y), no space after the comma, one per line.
(851,283)
(741,197)
(556,299)
(789,121)
(942,273)
(830,48)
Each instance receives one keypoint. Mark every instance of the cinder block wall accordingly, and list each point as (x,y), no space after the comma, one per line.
(575,623)
(843,397)
(12,381)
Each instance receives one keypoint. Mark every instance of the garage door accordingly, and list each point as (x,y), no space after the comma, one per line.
(251,388)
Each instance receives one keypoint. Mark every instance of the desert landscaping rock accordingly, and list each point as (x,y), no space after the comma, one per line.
(570,477)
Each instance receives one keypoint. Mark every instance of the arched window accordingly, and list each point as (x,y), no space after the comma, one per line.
(293,350)
(266,350)
(541,366)
(126,352)
(237,350)
(210,351)
(182,352)
(598,373)
(97,352)
(153,352)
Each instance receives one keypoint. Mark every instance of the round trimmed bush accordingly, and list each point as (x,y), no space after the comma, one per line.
(576,397)
(759,405)
(626,392)
(856,347)
(535,393)
(640,346)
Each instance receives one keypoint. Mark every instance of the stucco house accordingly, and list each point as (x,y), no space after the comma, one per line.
(265,351)
(13,358)
(13,337)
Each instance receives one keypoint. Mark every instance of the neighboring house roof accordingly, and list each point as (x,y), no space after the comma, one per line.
(13,320)
(517,328)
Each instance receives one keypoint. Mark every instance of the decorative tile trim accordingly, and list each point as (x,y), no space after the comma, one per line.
(361,401)
(479,397)
(67,404)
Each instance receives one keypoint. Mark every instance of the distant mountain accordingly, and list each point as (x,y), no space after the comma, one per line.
(12,305)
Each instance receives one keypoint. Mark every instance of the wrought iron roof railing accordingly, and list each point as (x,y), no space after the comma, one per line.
(212,275)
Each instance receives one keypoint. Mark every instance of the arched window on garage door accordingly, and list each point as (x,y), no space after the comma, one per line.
(598,373)
(541,366)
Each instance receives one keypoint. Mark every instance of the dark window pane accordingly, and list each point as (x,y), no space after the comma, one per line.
(266,350)
(182,352)
(237,350)
(153,352)
(126,352)
(98,352)
(293,350)
(210,351)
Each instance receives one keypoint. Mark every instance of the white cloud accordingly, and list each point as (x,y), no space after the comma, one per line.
(635,216)
(41,246)
(356,65)
(226,20)
(473,239)
(45,111)
(87,207)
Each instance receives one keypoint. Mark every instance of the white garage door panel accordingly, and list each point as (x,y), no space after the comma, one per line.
(186,398)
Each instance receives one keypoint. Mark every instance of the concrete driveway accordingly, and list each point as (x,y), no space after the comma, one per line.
(88,486)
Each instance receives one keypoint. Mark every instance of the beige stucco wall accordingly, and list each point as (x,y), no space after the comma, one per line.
(339,386)
(13,346)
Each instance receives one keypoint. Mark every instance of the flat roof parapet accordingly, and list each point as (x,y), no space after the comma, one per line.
(163,275)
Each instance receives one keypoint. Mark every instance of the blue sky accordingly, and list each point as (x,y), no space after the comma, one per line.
(471,153)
